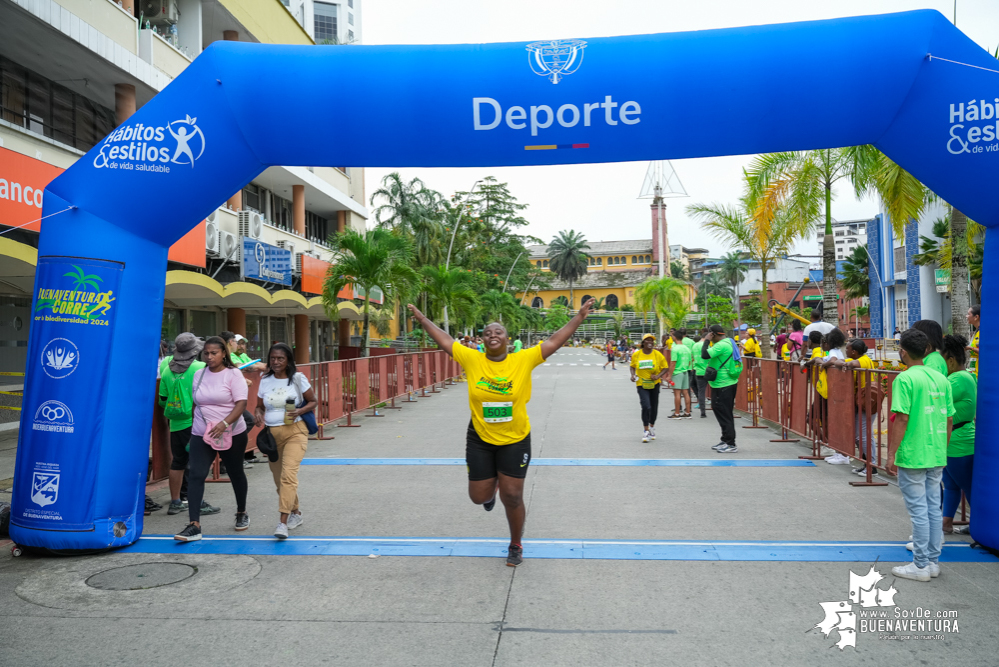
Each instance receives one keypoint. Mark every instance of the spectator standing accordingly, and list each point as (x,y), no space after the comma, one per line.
(680,366)
(974,321)
(176,399)
(856,352)
(750,346)
(797,336)
(723,370)
(961,447)
(934,332)
(817,324)
(219,399)
(923,404)
(700,366)
(285,395)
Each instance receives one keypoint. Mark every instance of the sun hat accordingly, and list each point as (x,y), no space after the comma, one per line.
(188,348)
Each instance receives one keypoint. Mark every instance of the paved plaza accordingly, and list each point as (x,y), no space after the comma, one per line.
(637,562)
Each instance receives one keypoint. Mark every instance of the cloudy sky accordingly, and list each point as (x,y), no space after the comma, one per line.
(601,200)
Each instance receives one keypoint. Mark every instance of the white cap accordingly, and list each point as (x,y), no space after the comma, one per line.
(238,338)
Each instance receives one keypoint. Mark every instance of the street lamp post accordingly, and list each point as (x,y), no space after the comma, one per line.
(508,273)
(881,289)
(450,247)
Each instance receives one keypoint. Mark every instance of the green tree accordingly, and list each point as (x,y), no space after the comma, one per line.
(497,306)
(556,317)
(714,284)
(450,289)
(801,183)
(856,281)
(376,258)
(733,271)
(568,258)
(752,312)
(661,296)
(765,238)
(719,311)
(677,270)
(411,210)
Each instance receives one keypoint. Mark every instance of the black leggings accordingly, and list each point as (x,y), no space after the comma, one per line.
(649,398)
(202,457)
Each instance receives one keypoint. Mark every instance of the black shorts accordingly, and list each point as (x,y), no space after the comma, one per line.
(178,448)
(485,460)
(610,357)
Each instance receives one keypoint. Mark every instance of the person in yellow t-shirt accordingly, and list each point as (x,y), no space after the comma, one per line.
(648,365)
(856,351)
(750,346)
(975,321)
(498,438)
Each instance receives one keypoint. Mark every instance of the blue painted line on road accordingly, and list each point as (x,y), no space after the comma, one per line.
(665,463)
(742,550)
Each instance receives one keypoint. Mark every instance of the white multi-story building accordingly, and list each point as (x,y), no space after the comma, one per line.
(847,234)
(70,72)
(328,21)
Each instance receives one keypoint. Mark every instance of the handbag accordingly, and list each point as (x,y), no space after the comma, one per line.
(266,444)
(308,417)
(224,441)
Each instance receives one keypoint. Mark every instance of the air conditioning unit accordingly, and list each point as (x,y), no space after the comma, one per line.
(213,217)
(298,263)
(211,237)
(230,247)
(251,224)
(287,245)
(160,12)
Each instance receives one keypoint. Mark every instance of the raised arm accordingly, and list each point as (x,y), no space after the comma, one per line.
(557,339)
(441,337)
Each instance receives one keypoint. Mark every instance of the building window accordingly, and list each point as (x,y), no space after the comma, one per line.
(600,261)
(536,302)
(31,101)
(350,18)
(203,323)
(648,259)
(278,331)
(317,228)
(546,263)
(610,303)
(350,3)
(902,313)
(324,22)
(350,36)
(634,259)
(256,332)
(251,197)
(586,297)
(899,259)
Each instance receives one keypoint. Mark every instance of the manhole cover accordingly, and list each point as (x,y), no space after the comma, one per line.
(138,577)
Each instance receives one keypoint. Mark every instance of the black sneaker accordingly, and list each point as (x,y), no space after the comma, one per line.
(704,415)
(177,506)
(515,555)
(242,521)
(208,509)
(491,504)
(191,533)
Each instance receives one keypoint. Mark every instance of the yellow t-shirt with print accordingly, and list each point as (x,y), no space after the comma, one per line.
(647,365)
(819,376)
(750,346)
(785,353)
(973,356)
(498,392)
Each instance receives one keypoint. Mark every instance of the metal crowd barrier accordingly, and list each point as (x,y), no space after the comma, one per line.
(344,389)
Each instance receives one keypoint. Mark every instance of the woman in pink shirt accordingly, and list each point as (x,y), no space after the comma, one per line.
(219,399)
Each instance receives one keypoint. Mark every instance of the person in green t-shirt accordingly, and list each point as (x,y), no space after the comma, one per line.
(934,332)
(700,365)
(680,365)
(176,399)
(689,342)
(723,357)
(518,345)
(923,407)
(961,448)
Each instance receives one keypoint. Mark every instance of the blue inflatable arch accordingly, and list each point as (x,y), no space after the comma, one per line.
(910,84)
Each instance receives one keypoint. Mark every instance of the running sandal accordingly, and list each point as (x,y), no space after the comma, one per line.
(515,555)
(191,533)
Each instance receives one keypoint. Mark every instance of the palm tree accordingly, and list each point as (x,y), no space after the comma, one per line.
(413,210)
(662,296)
(449,289)
(959,297)
(568,260)
(531,319)
(733,270)
(856,281)
(765,238)
(376,258)
(714,284)
(801,182)
(677,270)
(500,307)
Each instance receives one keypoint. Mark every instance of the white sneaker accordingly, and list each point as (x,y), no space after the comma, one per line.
(295,520)
(652,433)
(838,459)
(934,569)
(911,571)
(281,532)
(645,436)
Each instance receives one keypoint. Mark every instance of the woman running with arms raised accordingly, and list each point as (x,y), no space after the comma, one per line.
(498,440)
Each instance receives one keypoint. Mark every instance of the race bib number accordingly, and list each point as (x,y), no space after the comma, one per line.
(646,364)
(495,413)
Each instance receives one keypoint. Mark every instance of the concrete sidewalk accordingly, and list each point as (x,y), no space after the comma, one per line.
(256,608)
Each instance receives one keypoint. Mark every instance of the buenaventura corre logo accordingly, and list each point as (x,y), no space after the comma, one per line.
(145,148)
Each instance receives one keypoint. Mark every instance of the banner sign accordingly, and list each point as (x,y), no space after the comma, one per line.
(73,315)
(314,275)
(942,277)
(262,261)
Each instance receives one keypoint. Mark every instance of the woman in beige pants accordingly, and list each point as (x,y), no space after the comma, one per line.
(282,391)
